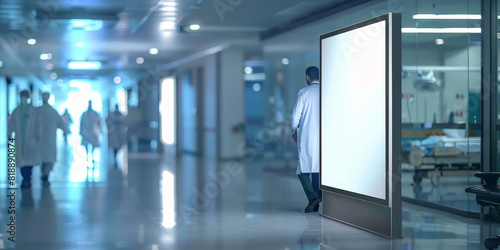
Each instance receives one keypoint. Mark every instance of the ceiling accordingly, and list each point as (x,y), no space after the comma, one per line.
(128,29)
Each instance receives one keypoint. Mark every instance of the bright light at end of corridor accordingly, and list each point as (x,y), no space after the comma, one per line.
(167,111)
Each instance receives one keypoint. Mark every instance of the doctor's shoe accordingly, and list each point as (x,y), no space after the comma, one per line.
(313,206)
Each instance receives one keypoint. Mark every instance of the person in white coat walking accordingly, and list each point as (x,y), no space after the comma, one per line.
(25,123)
(90,129)
(305,131)
(51,121)
(117,131)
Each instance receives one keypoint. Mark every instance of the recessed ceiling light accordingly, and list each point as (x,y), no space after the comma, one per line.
(439,41)
(53,75)
(285,61)
(153,51)
(256,87)
(80,44)
(194,27)
(45,56)
(49,66)
(31,41)
(117,79)
(248,70)
(139,60)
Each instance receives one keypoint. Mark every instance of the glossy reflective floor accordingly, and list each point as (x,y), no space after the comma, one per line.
(158,201)
(447,190)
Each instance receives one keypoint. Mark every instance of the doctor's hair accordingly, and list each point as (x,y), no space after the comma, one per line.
(45,97)
(313,72)
(25,93)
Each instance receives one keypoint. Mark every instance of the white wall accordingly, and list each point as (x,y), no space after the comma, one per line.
(231,106)
(210,106)
(462,82)
(424,104)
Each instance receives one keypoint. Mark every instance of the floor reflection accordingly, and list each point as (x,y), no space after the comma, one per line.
(163,201)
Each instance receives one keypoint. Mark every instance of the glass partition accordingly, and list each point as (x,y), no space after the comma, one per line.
(441,86)
(440,98)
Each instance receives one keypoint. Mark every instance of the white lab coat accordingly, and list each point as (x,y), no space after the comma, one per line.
(117,130)
(27,146)
(305,120)
(90,128)
(51,121)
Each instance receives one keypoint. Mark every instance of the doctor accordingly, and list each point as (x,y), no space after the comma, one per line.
(117,131)
(51,121)
(305,131)
(25,123)
(90,129)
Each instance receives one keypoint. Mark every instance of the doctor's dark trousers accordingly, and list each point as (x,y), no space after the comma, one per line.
(311,188)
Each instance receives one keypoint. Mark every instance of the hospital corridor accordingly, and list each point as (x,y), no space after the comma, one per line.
(249,124)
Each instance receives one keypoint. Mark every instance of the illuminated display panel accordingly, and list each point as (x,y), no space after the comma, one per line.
(354,107)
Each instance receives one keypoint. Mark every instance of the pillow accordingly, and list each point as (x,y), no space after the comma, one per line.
(455,133)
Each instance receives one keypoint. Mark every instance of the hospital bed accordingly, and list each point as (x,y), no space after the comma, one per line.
(438,156)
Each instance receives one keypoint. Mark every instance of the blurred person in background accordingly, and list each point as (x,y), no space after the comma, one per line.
(117,131)
(305,132)
(51,121)
(26,124)
(67,121)
(90,129)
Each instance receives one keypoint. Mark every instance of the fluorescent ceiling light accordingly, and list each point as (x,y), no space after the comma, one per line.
(87,65)
(168,8)
(169,25)
(441,30)
(31,41)
(448,16)
(169,4)
(86,24)
(153,51)
(194,27)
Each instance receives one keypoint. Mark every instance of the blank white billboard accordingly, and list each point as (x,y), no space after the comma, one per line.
(354,109)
